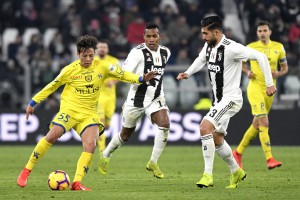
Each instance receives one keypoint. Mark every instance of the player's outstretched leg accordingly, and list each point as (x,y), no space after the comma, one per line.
(205,181)
(103,164)
(78,186)
(237,177)
(155,169)
(23,177)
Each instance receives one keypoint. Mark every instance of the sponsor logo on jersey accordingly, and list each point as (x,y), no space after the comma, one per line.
(88,90)
(89,86)
(76,77)
(88,78)
(214,68)
(159,70)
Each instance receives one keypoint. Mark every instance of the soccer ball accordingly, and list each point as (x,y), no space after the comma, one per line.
(59,180)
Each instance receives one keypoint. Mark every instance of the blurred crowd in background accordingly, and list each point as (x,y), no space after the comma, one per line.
(39,36)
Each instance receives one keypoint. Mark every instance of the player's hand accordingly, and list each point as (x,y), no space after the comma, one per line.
(275,74)
(149,76)
(250,75)
(182,76)
(271,90)
(29,111)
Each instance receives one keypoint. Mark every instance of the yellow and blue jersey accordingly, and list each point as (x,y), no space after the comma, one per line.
(82,85)
(275,53)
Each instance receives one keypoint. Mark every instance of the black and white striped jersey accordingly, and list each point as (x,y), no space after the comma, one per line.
(142,60)
(224,63)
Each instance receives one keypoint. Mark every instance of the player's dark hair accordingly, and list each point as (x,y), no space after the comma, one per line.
(264,23)
(85,42)
(104,41)
(212,22)
(151,25)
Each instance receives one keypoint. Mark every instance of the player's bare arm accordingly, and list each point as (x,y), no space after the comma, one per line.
(29,111)
(248,71)
(283,70)
(182,76)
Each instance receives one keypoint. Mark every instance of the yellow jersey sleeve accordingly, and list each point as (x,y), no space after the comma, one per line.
(51,87)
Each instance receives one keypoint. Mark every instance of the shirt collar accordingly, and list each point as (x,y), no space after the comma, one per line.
(221,41)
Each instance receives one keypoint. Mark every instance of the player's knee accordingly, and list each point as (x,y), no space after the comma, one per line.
(89,146)
(125,136)
(164,124)
(204,130)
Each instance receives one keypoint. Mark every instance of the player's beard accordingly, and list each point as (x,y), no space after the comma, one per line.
(212,42)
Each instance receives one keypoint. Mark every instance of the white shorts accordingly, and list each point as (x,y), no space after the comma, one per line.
(131,115)
(220,114)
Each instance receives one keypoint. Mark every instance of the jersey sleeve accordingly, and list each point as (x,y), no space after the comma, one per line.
(239,52)
(282,55)
(52,86)
(133,59)
(122,75)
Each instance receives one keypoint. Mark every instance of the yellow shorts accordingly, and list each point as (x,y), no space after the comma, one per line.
(68,119)
(260,102)
(106,109)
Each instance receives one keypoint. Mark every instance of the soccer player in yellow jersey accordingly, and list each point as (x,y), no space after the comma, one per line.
(259,101)
(107,100)
(78,106)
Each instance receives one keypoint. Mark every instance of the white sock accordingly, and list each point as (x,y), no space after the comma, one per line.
(208,150)
(115,143)
(160,142)
(225,152)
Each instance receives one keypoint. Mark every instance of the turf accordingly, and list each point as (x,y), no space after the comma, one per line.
(128,178)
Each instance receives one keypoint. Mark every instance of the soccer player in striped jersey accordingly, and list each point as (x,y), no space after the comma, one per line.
(146,99)
(224,59)
(82,80)
(259,101)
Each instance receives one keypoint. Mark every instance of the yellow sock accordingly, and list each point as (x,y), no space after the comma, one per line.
(101,142)
(40,149)
(250,134)
(265,141)
(83,165)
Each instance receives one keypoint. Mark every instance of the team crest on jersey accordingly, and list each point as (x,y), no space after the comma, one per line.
(88,78)
(165,59)
(112,68)
(219,56)
(100,76)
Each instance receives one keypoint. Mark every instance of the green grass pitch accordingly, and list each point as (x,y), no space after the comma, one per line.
(129,179)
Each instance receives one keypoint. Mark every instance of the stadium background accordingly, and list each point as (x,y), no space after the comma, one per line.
(37,40)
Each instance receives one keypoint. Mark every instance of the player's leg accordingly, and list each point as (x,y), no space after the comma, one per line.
(266,143)
(161,119)
(89,138)
(39,151)
(208,150)
(102,139)
(130,117)
(220,116)
(256,99)
(249,135)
